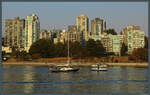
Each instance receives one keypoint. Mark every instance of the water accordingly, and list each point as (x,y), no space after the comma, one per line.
(19,80)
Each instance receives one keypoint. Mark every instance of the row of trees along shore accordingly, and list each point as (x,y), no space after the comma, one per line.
(44,48)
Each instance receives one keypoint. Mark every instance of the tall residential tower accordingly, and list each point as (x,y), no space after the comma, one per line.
(82,26)
(97,26)
(32,31)
(14,29)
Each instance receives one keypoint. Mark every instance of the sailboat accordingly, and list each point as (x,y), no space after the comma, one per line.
(66,67)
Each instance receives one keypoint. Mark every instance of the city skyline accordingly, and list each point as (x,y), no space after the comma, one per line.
(47,21)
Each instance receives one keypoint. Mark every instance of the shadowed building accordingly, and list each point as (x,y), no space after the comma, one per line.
(14,29)
(98,26)
(74,34)
(44,34)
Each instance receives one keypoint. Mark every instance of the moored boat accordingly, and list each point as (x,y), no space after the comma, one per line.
(64,68)
(99,67)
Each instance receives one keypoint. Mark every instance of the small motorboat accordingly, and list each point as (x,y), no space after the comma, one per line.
(99,67)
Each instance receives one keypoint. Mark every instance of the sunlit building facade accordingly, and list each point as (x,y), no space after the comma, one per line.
(133,37)
(112,43)
(82,22)
(32,31)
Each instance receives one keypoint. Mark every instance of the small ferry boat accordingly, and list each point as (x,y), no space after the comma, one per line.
(99,67)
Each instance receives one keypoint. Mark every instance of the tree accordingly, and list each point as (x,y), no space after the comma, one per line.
(95,48)
(43,47)
(2,41)
(61,50)
(124,49)
(140,54)
(111,31)
(146,42)
(3,53)
(90,47)
(100,49)
(75,48)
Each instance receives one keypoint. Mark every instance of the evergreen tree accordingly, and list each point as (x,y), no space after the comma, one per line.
(124,49)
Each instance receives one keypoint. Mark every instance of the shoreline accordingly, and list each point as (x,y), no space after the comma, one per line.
(78,64)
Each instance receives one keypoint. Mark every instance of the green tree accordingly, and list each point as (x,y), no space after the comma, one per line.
(75,48)
(100,50)
(60,50)
(43,47)
(146,42)
(111,31)
(124,49)
(90,47)
(94,48)
(2,41)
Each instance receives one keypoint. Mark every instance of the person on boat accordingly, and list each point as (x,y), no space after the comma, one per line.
(98,66)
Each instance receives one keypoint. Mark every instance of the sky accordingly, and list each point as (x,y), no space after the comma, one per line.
(61,14)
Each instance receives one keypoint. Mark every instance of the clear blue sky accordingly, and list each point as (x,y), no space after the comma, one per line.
(117,14)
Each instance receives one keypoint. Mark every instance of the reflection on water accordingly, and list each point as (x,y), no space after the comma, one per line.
(30,79)
(28,76)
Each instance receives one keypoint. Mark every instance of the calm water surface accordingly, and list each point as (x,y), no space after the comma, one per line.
(19,80)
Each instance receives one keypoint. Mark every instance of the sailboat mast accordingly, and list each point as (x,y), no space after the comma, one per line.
(68,47)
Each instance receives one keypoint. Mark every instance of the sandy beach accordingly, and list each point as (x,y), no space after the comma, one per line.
(74,64)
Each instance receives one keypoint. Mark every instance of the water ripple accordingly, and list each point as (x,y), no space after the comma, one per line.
(78,82)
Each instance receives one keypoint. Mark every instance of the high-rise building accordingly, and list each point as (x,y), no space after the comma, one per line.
(44,34)
(32,31)
(14,29)
(104,25)
(133,37)
(97,26)
(82,26)
(74,34)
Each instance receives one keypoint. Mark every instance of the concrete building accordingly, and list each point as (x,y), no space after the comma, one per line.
(107,43)
(60,36)
(117,41)
(74,34)
(97,26)
(32,31)
(82,22)
(112,43)
(14,29)
(133,37)
(44,34)
(95,37)
(7,49)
